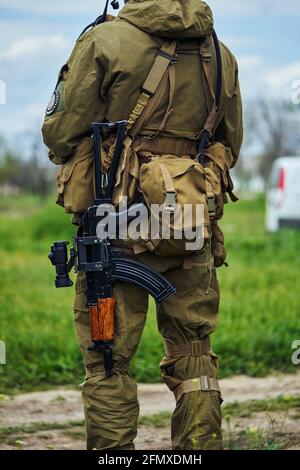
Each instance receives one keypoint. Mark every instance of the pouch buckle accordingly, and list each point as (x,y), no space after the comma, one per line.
(173,59)
(204,380)
(170,201)
(205,55)
(104,181)
(211,205)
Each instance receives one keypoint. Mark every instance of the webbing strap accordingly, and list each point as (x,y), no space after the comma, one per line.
(169,185)
(164,58)
(171,193)
(170,109)
(147,110)
(219,69)
(138,110)
(211,200)
(207,132)
(207,68)
(203,384)
(166,145)
(194,348)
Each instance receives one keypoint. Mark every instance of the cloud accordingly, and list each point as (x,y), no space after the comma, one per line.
(242,8)
(237,8)
(32,46)
(248,62)
(55,7)
(282,77)
(37,38)
(251,70)
(238,42)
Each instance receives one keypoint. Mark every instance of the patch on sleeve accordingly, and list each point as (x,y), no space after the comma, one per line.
(53,103)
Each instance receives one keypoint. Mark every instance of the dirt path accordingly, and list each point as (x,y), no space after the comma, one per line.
(53,419)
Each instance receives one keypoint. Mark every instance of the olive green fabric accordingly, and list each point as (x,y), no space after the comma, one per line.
(218,245)
(111,406)
(172,19)
(75,180)
(110,63)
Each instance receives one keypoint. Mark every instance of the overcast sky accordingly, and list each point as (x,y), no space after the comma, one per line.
(37,37)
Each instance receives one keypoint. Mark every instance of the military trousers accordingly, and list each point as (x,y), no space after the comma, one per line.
(189,368)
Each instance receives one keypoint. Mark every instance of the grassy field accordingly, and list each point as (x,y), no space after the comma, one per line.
(259,316)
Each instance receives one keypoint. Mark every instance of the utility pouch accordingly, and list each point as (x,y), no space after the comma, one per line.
(75,188)
(185,192)
(219,160)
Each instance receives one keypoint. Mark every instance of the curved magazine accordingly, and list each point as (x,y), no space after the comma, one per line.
(128,270)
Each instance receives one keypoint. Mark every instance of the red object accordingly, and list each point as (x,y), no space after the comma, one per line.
(281,179)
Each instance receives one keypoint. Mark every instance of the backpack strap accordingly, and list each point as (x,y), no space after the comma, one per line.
(208,129)
(154,88)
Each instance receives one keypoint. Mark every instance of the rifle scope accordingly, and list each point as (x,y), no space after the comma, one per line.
(59,258)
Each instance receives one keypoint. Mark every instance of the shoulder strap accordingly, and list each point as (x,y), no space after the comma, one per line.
(219,69)
(208,129)
(153,88)
(216,96)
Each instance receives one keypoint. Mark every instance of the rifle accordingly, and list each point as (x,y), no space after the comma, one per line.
(103,264)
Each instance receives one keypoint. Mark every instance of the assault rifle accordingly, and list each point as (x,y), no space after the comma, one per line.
(103,264)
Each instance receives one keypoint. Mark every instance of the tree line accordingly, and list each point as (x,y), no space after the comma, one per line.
(271,131)
(32,174)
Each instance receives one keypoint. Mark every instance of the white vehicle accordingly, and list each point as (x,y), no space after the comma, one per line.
(283,194)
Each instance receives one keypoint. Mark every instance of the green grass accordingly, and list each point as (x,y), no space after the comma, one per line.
(247,408)
(34,428)
(259,316)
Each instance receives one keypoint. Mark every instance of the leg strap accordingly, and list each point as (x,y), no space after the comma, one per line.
(203,383)
(195,348)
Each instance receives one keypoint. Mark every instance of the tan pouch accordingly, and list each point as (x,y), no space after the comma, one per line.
(75,180)
(170,179)
(220,161)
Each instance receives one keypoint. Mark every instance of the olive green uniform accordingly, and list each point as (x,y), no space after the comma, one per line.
(102,81)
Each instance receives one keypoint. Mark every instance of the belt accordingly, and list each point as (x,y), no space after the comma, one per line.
(165,145)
